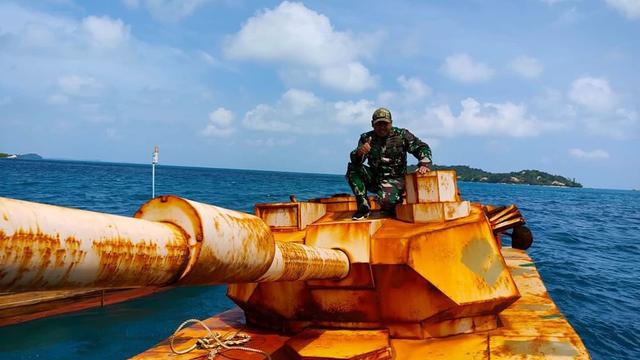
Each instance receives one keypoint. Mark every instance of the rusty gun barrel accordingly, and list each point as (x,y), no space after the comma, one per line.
(171,240)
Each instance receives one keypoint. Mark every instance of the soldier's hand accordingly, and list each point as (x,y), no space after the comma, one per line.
(422,169)
(364,148)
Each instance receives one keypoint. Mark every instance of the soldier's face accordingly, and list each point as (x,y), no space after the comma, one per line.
(382,128)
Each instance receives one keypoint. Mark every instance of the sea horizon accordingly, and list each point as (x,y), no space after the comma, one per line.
(297,172)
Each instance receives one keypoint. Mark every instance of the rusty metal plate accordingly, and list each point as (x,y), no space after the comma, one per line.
(341,344)
(278,215)
(388,250)
(405,296)
(290,215)
(296,236)
(434,186)
(465,325)
(360,277)
(231,320)
(464,262)
(533,327)
(432,212)
(533,348)
(345,305)
(286,298)
(472,347)
(352,237)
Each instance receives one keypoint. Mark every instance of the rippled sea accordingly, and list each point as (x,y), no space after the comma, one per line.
(586,247)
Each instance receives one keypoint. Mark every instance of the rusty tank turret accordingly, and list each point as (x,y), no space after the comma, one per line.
(430,282)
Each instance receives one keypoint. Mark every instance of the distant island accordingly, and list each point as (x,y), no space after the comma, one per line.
(526,177)
(20,156)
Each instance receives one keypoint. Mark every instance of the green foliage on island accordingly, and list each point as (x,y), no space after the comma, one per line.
(30,156)
(528,177)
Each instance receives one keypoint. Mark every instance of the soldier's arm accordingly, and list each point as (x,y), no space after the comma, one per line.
(355,158)
(418,148)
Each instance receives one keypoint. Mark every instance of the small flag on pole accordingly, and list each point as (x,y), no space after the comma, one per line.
(155,154)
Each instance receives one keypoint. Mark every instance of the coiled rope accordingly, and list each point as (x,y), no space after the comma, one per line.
(214,342)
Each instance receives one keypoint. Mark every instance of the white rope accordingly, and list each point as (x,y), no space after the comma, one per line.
(215,342)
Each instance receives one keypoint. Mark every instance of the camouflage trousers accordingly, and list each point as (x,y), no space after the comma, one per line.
(362,180)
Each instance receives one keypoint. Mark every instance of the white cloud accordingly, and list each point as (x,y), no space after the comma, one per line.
(597,154)
(131,4)
(352,76)
(414,88)
(300,111)
(297,35)
(527,67)
(300,101)
(270,142)
(265,117)
(619,124)
(208,58)
(57,99)
(479,119)
(600,118)
(79,86)
(220,123)
(353,113)
(413,91)
(167,10)
(462,68)
(593,94)
(105,32)
(56,60)
(630,8)
(553,2)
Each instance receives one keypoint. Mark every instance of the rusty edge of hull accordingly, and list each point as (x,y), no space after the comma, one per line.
(23,307)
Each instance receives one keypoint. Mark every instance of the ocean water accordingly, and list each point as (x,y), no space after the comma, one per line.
(586,247)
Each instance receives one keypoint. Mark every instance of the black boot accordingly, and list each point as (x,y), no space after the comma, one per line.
(362,213)
(363,208)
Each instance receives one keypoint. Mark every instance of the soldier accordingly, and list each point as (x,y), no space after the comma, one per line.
(386,149)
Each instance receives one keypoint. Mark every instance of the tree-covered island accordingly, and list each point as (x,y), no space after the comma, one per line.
(20,156)
(526,177)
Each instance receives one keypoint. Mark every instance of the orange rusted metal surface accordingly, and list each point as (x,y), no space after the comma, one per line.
(172,240)
(248,251)
(292,215)
(300,262)
(449,277)
(433,187)
(433,212)
(531,328)
(51,247)
(315,344)
(229,321)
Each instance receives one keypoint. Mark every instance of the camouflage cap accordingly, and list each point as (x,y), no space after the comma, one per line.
(381,114)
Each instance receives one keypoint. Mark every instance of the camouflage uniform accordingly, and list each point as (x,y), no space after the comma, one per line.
(387,166)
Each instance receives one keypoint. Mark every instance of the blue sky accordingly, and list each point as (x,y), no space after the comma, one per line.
(500,85)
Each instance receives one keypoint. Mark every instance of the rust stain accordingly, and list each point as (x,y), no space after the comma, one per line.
(124,262)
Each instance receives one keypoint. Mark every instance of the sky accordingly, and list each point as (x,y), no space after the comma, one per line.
(552,85)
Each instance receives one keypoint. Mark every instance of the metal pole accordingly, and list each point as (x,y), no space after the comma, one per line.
(154,161)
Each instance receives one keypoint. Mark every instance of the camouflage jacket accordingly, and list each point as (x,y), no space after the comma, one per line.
(388,156)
